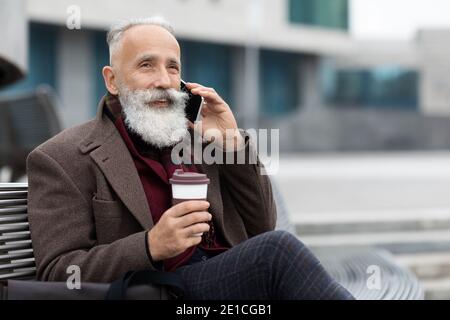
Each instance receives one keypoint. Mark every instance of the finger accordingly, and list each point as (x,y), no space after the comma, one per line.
(197,86)
(196,230)
(192,85)
(197,89)
(193,218)
(210,96)
(209,92)
(186,207)
(193,241)
(197,234)
(211,100)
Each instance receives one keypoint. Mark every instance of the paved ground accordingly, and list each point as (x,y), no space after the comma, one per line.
(397,201)
(364,183)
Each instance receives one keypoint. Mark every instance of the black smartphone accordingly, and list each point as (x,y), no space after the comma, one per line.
(193,103)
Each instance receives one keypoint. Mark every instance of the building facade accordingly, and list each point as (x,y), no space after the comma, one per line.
(218,39)
(288,64)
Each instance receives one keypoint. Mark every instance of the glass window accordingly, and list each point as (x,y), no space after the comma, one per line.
(279,82)
(323,13)
(101,59)
(208,64)
(386,87)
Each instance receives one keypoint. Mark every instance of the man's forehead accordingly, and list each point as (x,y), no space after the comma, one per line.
(148,40)
(146,35)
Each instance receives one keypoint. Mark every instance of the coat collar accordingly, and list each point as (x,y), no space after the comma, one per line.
(106,147)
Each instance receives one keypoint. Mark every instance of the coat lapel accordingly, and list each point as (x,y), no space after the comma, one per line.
(214,196)
(107,149)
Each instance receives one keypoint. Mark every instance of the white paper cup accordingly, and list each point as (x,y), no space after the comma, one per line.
(189,186)
(189,192)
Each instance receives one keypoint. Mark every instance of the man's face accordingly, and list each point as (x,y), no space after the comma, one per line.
(146,73)
(148,57)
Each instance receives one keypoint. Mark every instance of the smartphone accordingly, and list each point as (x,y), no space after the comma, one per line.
(193,103)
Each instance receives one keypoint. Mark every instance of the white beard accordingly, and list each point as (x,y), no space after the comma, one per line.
(159,126)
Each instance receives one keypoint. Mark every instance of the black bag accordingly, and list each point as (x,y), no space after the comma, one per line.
(133,285)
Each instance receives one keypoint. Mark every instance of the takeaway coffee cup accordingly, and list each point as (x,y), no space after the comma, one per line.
(188,186)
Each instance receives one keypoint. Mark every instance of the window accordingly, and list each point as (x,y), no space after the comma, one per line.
(101,59)
(386,87)
(323,13)
(209,65)
(279,82)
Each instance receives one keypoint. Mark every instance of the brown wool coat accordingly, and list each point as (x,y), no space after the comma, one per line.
(87,206)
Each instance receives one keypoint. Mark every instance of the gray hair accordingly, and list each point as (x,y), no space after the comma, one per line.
(116,31)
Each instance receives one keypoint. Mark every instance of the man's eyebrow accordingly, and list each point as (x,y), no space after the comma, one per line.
(151,58)
(146,57)
(174,61)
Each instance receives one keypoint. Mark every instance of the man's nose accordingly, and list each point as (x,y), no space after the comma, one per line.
(162,80)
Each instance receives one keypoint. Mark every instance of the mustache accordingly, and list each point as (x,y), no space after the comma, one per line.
(171,95)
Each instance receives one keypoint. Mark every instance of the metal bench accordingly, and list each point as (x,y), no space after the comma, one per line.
(354,268)
(16,252)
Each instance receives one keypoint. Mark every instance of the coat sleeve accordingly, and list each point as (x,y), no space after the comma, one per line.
(63,230)
(249,188)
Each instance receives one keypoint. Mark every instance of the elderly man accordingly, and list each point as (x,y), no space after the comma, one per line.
(100,198)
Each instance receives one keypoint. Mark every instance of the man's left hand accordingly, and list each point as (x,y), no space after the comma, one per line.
(216,114)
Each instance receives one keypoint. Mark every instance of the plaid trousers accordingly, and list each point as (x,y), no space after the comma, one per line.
(274,265)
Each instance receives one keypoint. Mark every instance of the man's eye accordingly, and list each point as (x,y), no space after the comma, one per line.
(146,65)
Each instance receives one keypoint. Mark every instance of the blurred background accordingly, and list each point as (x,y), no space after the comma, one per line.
(360,91)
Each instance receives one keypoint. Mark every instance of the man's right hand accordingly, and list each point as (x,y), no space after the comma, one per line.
(178,229)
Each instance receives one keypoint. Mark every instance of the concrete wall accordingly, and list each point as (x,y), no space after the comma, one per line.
(226,21)
(435,71)
(325,130)
(13,44)
(75,76)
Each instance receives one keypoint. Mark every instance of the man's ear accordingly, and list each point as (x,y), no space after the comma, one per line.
(110,80)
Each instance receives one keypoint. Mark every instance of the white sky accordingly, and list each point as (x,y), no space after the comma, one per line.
(397,19)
